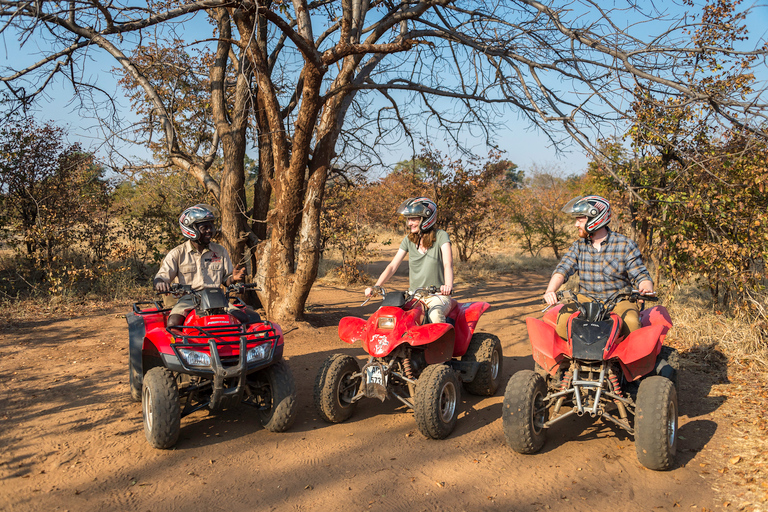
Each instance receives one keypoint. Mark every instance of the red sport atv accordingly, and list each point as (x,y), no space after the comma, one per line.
(631,382)
(411,361)
(218,358)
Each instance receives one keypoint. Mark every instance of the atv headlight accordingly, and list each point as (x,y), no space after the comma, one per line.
(386,322)
(195,358)
(258,353)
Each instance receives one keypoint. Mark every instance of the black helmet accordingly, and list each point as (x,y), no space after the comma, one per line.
(420,207)
(193,216)
(596,209)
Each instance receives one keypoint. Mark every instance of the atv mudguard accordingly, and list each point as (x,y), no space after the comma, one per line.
(466,317)
(637,353)
(549,349)
(657,315)
(438,341)
(136,333)
(351,329)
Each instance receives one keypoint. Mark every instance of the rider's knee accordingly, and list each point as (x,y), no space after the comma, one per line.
(174,320)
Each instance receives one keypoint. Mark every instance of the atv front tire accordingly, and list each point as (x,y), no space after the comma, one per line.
(277,391)
(485,349)
(160,408)
(524,412)
(335,387)
(656,423)
(437,401)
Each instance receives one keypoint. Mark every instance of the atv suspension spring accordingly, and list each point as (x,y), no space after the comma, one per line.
(407,368)
(566,380)
(615,383)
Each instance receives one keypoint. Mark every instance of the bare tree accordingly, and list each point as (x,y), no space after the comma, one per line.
(385,71)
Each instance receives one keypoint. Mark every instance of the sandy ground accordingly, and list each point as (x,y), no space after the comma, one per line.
(71,438)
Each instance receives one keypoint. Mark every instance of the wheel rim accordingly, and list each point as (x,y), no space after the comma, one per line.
(538,412)
(146,404)
(671,424)
(346,389)
(495,365)
(448,402)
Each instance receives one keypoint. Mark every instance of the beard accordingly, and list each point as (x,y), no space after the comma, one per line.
(583,233)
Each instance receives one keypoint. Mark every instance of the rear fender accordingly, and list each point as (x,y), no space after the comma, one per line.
(549,349)
(466,317)
(437,339)
(136,333)
(637,353)
(351,329)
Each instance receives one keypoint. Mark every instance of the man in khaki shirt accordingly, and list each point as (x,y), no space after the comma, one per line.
(198,262)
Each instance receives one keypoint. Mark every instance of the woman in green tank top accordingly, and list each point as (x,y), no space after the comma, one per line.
(430,260)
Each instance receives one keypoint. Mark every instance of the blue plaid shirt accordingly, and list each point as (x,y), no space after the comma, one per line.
(617,265)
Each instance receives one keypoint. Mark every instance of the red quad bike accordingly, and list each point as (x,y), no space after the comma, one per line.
(216,359)
(631,382)
(411,361)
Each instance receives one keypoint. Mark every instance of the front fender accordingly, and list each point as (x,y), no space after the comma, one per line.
(548,348)
(351,329)
(637,353)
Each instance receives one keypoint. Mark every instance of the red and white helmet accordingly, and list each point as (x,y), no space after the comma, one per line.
(193,216)
(596,209)
(420,207)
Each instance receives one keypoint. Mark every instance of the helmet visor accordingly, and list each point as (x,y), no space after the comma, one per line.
(407,209)
(579,208)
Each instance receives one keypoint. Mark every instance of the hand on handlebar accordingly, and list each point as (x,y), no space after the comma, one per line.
(551,298)
(161,286)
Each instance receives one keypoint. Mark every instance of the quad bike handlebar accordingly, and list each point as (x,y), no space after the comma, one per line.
(418,292)
(599,309)
(179,290)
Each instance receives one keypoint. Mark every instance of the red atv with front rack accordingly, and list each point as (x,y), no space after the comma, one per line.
(630,382)
(412,361)
(219,357)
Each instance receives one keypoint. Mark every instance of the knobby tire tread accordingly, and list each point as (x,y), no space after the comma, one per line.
(652,445)
(164,394)
(326,398)
(517,412)
(282,413)
(427,401)
(481,349)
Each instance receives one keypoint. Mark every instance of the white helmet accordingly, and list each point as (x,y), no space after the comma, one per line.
(420,207)
(193,216)
(596,209)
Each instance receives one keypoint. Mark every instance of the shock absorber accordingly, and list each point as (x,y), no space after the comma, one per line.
(615,383)
(407,368)
(563,386)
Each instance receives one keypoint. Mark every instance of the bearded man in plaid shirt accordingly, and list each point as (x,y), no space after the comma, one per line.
(605,261)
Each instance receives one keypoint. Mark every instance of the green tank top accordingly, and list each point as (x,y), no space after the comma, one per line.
(426,269)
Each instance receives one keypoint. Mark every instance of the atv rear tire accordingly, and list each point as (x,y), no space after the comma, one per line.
(436,404)
(134,381)
(485,348)
(656,423)
(160,408)
(335,387)
(278,396)
(524,412)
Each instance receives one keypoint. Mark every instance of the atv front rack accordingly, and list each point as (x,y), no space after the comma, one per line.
(235,367)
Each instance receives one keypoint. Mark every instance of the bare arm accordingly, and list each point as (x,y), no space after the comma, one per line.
(389,271)
(550,296)
(447,288)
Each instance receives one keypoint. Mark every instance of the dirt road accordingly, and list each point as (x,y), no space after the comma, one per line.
(71,439)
